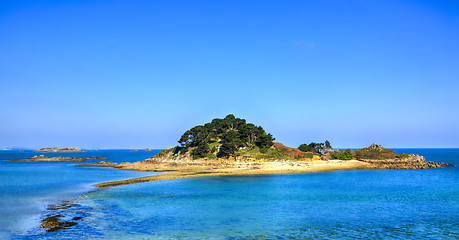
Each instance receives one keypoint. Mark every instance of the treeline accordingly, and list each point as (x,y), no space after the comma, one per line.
(316,147)
(224,137)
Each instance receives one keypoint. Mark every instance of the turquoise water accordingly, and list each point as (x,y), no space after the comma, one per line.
(26,188)
(376,204)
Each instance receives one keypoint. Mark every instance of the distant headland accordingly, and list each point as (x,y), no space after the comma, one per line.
(231,146)
(56,149)
(43,158)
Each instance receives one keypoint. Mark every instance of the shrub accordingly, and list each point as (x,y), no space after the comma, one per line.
(347,155)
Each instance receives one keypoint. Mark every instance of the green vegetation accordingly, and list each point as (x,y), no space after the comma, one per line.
(263,153)
(234,137)
(345,155)
(376,151)
(201,151)
(225,137)
(316,147)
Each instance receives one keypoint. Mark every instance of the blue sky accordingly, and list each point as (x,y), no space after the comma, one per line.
(134,74)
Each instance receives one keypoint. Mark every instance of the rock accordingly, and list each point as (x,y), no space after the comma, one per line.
(413,161)
(52,224)
(376,148)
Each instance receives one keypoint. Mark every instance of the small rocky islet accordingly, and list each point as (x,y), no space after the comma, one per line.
(56,149)
(43,158)
(383,158)
(231,146)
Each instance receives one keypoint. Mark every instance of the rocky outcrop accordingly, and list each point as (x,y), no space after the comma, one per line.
(376,151)
(52,224)
(43,158)
(411,162)
(376,148)
(55,220)
(171,154)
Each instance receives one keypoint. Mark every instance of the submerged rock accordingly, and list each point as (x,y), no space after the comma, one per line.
(58,216)
(53,223)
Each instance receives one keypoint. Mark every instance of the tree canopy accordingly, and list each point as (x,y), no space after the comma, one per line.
(315,147)
(230,133)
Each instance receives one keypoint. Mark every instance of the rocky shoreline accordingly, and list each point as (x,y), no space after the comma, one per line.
(411,162)
(172,167)
(43,158)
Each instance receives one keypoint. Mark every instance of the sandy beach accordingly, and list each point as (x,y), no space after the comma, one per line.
(198,168)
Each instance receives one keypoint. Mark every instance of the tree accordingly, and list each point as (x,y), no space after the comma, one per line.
(231,132)
(315,147)
(264,141)
(194,136)
(305,148)
(248,133)
(230,143)
(201,151)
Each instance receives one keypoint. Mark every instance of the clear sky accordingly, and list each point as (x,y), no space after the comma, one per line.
(134,74)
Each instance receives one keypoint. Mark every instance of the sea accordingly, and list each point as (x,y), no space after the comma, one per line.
(347,204)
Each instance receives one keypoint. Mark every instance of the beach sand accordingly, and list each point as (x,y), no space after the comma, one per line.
(199,168)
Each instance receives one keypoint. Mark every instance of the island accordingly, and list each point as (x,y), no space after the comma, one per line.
(231,146)
(43,158)
(56,149)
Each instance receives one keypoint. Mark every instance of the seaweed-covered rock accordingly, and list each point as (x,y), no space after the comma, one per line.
(53,223)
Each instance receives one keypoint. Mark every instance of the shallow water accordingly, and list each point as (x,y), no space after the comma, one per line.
(26,188)
(387,204)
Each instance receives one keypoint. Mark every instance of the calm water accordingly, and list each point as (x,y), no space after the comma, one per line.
(385,204)
(26,188)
